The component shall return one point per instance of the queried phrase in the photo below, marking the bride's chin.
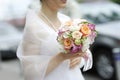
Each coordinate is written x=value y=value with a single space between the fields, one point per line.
x=62 y=5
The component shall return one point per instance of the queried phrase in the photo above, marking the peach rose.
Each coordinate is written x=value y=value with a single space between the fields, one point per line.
x=85 y=29
x=67 y=43
x=68 y=23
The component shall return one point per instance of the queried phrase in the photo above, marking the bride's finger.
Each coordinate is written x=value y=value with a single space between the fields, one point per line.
x=71 y=56
x=74 y=62
x=82 y=54
x=72 y=65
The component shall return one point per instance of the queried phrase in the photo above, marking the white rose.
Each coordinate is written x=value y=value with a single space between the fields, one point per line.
x=86 y=45
x=77 y=34
x=65 y=35
x=75 y=28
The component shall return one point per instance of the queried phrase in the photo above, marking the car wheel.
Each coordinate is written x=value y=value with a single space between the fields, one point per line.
x=104 y=64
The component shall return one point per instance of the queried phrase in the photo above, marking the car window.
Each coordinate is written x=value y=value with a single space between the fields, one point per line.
x=102 y=17
x=102 y=13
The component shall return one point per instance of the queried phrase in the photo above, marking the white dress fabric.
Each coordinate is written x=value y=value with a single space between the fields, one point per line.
x=39 y=45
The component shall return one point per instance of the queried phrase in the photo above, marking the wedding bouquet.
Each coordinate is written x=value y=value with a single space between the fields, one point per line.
x=76 y=35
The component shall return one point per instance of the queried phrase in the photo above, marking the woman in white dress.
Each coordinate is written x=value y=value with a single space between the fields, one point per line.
x=39 y=51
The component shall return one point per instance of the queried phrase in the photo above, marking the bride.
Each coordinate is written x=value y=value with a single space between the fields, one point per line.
x=39 y=52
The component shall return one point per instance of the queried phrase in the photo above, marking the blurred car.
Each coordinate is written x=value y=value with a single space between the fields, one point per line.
x=103 y=12
x=106 y=49
x=104 y=53
x=9 y=39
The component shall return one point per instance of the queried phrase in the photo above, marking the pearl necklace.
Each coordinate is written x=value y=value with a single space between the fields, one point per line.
x=48 y=20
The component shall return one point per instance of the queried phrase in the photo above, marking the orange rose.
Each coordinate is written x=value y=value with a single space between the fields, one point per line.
x=68 y=23
x=67 y=43
x=85 y=29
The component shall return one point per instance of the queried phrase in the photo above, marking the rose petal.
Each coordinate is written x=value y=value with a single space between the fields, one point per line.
x=91 y=26
x=75 y=49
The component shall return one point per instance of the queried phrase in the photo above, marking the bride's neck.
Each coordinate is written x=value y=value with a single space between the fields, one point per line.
x=49 y=12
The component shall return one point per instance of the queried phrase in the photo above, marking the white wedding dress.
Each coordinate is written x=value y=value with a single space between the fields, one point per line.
x=39 y=45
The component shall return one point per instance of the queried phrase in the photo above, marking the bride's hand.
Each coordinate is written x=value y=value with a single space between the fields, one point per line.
x=74 y=62
x=72 y=56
